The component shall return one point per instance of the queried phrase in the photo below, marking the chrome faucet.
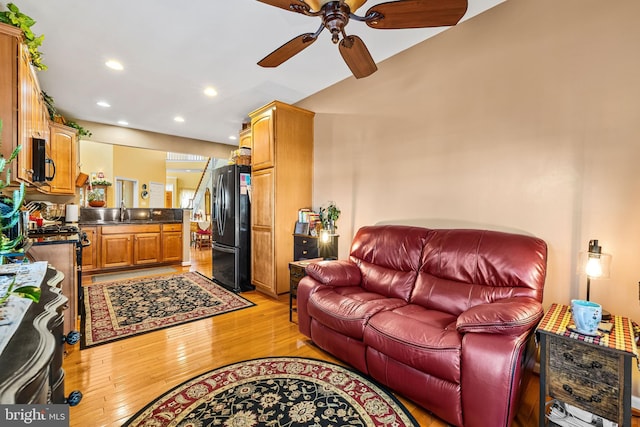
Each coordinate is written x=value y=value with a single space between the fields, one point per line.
x=123 y=210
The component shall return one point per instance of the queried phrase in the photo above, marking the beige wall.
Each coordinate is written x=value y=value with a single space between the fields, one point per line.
x=155 y=141
x=140 y=165
x=526 y=117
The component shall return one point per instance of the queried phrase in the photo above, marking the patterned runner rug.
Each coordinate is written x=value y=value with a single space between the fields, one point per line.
x=278 y=391
x=122 y=309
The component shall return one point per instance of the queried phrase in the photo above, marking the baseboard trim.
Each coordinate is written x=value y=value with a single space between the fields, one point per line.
x=635 y=406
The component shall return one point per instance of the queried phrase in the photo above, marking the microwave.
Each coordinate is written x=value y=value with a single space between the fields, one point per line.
x=40 y=163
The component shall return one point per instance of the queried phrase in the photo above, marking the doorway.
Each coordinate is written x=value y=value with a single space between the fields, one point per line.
x=126 y=191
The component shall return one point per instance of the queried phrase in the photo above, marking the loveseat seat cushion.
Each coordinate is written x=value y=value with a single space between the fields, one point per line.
x=424 y=339
x=348 y=309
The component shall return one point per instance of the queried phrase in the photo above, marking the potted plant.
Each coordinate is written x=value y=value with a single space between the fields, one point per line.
x=329 y=216
x=96 y=198
x=10 y=213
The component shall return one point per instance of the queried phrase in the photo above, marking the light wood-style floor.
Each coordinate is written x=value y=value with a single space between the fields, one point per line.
x=119 y=378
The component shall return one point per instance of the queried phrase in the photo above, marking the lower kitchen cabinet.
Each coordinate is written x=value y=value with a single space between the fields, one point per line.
x=171 y=242
x=146 y=248
x=125 y=246
x=90 y=252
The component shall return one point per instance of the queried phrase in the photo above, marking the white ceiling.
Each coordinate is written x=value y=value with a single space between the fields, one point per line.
x=171 y=50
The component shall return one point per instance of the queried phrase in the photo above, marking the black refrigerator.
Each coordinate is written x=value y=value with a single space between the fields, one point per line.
x=231 y=212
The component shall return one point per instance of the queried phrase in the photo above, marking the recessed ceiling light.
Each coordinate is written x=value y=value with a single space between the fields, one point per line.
x=179 y=119
x=233 y=137
x=123 y=123
x=103 y=104
x=114 y=65
x=209 y=91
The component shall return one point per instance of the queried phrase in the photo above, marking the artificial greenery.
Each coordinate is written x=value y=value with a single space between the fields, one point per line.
x=100 y=182
x=13 y=16
x=57 y=117
x=329 y=215
x=81 y=131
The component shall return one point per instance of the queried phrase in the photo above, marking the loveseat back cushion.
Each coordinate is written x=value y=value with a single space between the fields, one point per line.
x=389 y=258
x=464 y=268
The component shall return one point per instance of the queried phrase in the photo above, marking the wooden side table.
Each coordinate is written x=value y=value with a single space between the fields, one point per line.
x=297 y=272
x=307 y=247
x=592 y=373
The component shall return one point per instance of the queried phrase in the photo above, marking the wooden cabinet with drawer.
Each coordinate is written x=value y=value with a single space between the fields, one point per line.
x=590 y=373
x=308 y=247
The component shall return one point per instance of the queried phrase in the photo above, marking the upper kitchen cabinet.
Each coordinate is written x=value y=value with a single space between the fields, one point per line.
x=22 y=110
x=25 y=117
x=64 y=153
x=245 y=138
x=282 y=171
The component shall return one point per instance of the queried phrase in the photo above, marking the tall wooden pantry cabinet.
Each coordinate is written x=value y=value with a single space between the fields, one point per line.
x=281 y=183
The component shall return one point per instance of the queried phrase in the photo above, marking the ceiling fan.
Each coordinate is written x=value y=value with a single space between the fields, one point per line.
x=335 y=15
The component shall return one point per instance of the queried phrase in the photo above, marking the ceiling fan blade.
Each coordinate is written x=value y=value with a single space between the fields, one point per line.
x=288 y=50
x=284 y=4
x=417 y=13
x=357 y=56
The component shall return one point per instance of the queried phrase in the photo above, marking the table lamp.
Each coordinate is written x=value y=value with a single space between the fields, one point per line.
x=596 y=265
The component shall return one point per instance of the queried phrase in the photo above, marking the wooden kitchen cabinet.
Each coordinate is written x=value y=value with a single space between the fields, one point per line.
x=128 y=245
x=171 y=242
x=116 y=250
x=64 y=152
x=282 y=171
x=90 y=252
x=262 y=226
x=245 y=138
x=22 y=109
x=32 y=114
x=146 y=248
x=131 y=245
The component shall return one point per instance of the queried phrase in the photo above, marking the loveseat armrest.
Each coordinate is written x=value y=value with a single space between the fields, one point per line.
x=511 y=316
x=335 y=273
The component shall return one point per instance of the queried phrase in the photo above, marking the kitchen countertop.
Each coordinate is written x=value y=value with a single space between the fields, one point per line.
x=143 y=216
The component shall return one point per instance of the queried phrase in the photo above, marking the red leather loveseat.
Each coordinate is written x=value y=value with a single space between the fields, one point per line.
x=441 y=316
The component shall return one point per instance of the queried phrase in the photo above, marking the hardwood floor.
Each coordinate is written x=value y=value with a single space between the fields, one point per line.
x=119 y=378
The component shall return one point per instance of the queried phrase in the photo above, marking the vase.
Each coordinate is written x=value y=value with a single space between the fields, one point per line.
x=97 y=203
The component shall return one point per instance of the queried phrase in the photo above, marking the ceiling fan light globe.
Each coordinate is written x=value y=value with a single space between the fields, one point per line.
x=316 y=5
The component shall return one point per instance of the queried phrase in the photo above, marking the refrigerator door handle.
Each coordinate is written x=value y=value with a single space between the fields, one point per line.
x=223 y=206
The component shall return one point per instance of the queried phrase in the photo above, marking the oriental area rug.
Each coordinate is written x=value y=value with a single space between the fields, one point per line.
x=122 y=309
x=277 y=392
